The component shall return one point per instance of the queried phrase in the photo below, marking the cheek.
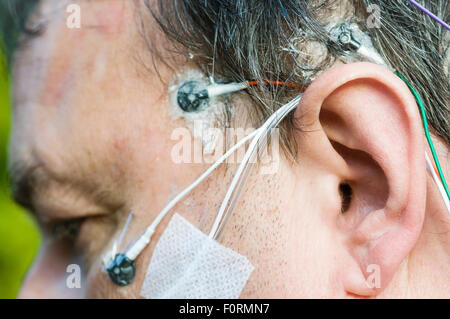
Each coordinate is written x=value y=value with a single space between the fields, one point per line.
x=52 y=274
x=277 y=225
x=258 y=229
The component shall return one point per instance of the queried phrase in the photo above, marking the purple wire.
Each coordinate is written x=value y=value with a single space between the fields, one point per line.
x=430 y=14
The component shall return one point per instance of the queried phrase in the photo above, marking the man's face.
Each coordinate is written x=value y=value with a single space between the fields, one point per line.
x=92 y=130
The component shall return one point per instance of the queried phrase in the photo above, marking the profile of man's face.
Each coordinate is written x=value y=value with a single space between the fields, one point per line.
x=92 y=131
x=93 y=140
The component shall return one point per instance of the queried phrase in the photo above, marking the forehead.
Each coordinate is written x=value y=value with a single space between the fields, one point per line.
x=75 y=37
x=98 y=12
x=75 y=20
x=73 y=84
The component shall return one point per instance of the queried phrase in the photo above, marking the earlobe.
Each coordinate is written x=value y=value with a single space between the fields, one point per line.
x=372 y=123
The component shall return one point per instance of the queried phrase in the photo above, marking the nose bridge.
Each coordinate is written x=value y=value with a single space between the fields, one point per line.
x=54 y=275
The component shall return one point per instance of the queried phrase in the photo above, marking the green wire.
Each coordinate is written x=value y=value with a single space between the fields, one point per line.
x=427 y=133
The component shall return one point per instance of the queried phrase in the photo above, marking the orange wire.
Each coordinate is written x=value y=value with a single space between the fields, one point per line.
x=436 y=171
x=280 y=83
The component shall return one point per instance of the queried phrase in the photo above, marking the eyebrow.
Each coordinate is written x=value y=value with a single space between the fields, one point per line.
x=26 y=180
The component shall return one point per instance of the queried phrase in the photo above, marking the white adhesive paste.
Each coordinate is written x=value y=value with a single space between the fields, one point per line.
x=199 y=123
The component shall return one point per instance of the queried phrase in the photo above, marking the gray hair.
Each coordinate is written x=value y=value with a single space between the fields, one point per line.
x=289 y=41
x=240 y=40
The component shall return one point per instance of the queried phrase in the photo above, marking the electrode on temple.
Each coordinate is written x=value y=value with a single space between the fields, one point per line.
x=189 y=98
x=192 y=99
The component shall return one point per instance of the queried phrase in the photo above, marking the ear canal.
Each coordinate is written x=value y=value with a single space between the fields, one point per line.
x=367 y=189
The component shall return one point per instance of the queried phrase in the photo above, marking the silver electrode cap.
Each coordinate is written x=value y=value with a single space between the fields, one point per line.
x=121 y=270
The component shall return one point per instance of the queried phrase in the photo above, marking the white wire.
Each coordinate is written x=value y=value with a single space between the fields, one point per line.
x=222 y=89
x=274 y=118
x=144 y=239
x=234 y=182
x=244 y=174
x=124 y=230
x=438 y=182
x=177 y=198
x=117 y=243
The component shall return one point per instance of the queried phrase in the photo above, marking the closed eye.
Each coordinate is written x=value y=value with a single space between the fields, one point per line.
x=66 y=229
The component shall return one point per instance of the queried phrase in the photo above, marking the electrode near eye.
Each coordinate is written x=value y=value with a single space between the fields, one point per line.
x=121 y=270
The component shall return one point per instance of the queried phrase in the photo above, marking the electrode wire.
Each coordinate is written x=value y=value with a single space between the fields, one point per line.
x=436 y=180
x=237 y=191
x=263 y=142
x=273 y=120
x=277 y=83
x=430 y=14
x=427 y=132
x=143 y=240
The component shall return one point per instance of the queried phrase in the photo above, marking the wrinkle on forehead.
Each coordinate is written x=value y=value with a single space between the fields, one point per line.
x=101 y=21
x=106 y=16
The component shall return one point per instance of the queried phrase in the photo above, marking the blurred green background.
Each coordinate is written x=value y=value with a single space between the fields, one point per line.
x=19 y=237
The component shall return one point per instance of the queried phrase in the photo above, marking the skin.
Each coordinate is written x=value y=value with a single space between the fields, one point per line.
x=94 y=124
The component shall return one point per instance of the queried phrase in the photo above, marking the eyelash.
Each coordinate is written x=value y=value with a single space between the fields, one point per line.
x=67 y=229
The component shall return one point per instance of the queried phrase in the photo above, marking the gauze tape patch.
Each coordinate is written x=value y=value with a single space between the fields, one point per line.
x=188 y=264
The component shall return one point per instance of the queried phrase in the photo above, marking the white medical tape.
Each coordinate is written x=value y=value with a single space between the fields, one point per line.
x=186 y=263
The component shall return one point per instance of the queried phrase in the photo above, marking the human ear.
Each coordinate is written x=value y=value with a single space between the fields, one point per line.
x=367 y=132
